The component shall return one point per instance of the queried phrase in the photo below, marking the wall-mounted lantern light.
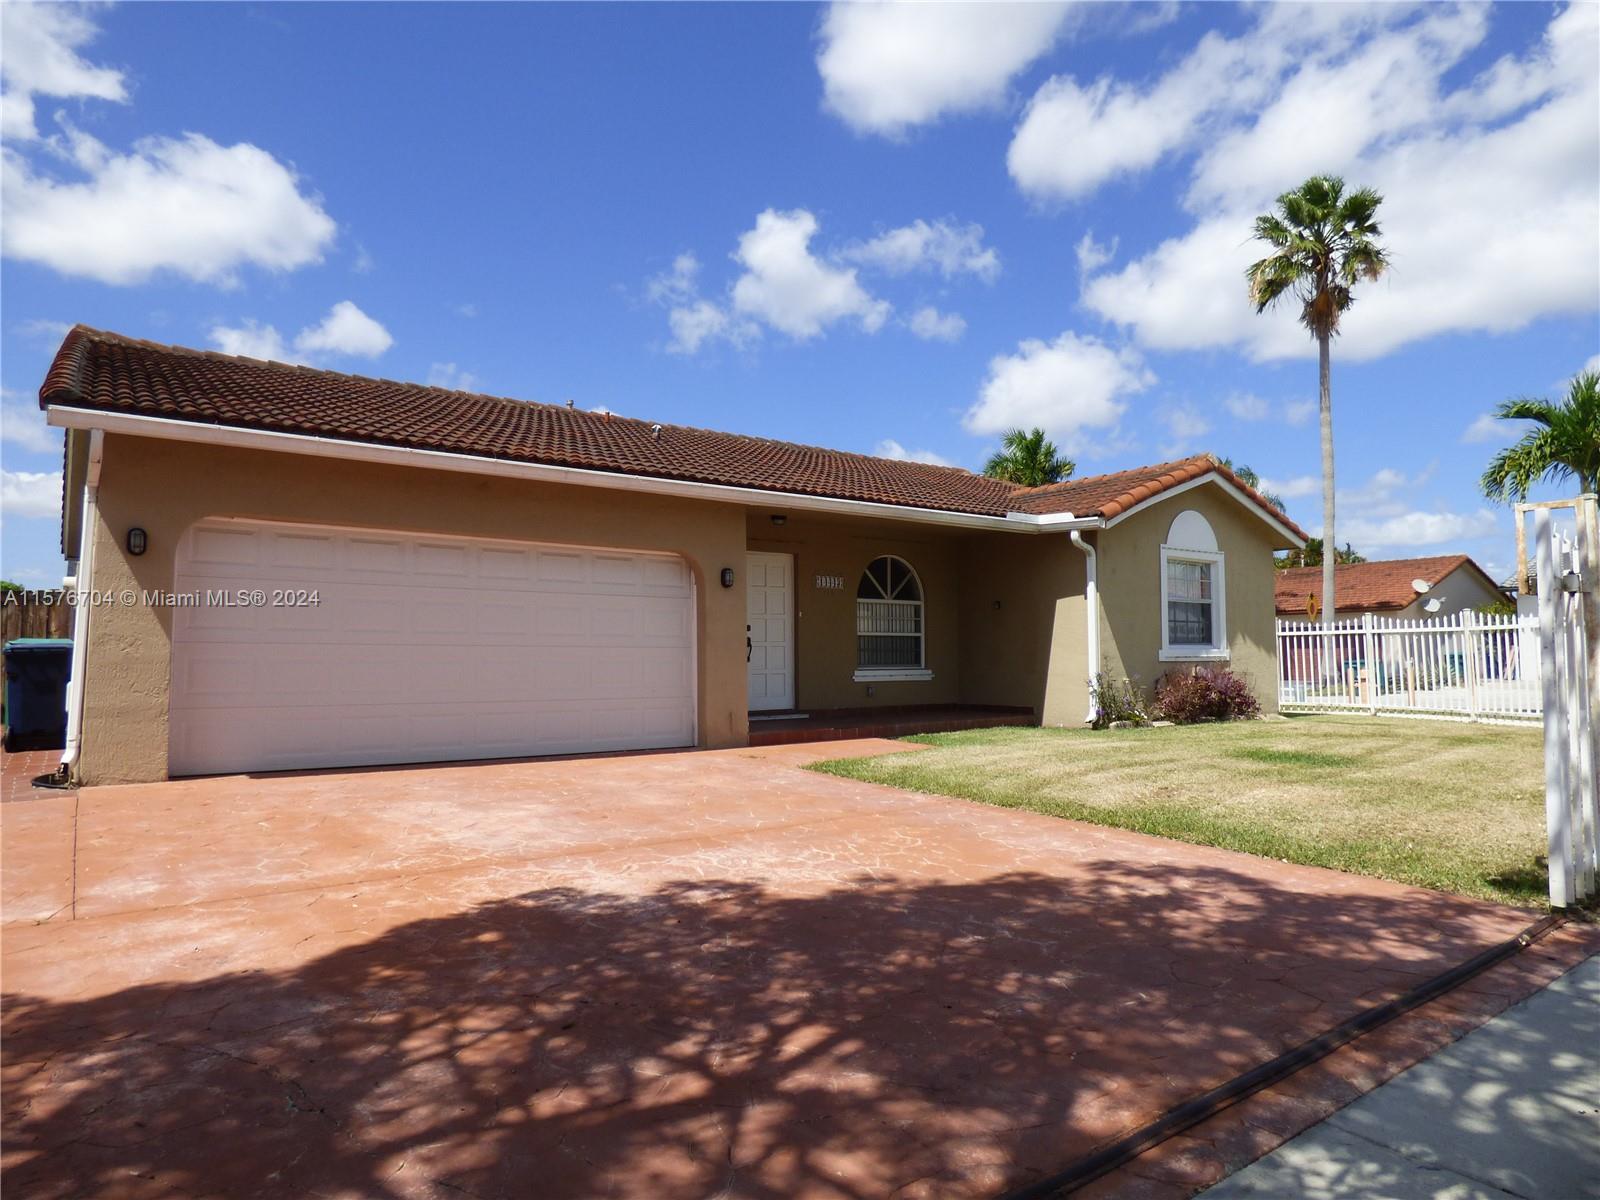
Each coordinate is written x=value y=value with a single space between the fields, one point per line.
x=727 y=576
x=138 y=541
x=779 y=519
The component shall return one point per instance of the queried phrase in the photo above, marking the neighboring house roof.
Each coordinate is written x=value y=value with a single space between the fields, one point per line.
x=1377 y=586
x=107 y=372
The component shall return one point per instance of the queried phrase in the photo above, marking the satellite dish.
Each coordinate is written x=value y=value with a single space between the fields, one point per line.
x=1421 y=585
x=1432 y=605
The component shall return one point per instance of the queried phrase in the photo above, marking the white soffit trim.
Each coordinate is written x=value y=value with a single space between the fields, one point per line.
x=68 y=417
x=1210 y=477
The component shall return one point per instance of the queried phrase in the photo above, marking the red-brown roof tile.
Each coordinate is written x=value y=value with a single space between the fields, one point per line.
x=111 y=373
x=1376 y=586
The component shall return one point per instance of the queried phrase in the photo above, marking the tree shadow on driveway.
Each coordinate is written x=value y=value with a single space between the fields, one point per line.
x=886 y=1037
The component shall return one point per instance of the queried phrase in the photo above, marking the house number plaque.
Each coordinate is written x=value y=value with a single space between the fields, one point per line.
x=830 y=583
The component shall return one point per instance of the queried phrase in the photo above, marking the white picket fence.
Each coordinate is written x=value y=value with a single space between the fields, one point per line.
x=1467 y=667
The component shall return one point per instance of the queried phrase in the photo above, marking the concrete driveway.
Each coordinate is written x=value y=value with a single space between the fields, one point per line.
x=667 y=975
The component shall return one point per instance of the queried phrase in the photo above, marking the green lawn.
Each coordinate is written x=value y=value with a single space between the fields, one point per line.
x=1455 y=807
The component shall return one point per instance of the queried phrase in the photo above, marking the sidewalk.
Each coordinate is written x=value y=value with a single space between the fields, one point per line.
x=1510 y=1112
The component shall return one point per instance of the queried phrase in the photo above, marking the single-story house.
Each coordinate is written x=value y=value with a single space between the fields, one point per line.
x=292 y=568
x=1451 y=583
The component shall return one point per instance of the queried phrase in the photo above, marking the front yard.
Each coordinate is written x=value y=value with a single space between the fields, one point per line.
x=1459 y=808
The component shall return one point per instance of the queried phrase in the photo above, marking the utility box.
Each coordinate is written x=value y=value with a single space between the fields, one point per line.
x=37 y=670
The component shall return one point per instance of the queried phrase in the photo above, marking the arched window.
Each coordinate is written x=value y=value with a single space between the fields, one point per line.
x=1193 y=592
x=888 y=618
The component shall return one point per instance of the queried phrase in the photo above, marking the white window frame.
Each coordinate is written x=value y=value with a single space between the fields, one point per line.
x=1217 y=649
x=888 y=674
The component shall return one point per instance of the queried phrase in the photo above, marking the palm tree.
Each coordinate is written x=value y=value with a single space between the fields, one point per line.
x=1323 y=243
x=1310 y=555
x=1251 y=479
x=1030 y=459
x=1566 y=445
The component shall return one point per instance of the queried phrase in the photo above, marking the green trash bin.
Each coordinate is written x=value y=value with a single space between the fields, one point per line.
x=37 y=670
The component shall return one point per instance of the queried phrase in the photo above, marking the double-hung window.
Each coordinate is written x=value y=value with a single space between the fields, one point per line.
x=1193 y=596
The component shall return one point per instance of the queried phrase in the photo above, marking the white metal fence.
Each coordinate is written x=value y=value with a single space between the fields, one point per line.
x=1468 y=667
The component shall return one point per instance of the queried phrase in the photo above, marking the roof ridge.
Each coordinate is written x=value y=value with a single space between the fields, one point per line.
x=1077 y=480
x=113 y=338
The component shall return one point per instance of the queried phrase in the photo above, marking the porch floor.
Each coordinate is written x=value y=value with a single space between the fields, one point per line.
x=821 y=725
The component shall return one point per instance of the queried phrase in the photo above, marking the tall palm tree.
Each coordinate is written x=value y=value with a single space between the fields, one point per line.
x=1566 y=445
x=1030 y=459
x=1323 y=243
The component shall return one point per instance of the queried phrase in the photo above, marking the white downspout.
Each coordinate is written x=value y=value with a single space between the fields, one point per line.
x=1091 y=605
x=83 y=583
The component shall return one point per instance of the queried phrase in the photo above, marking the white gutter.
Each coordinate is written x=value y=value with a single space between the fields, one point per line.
x=1091 y=605
x=322 y=447
x=83 y=582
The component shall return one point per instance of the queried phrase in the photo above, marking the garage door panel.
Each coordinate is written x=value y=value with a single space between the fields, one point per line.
x=222 y=547
x=370 y=556
x=424 y=648
x=317 y=551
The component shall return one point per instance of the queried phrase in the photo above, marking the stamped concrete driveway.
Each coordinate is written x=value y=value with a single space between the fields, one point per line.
x=669 y=975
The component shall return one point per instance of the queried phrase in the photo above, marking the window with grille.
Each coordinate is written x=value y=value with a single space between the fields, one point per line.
x=889 y=617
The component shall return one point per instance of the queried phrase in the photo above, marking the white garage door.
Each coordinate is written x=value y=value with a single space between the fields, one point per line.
x=421 y=649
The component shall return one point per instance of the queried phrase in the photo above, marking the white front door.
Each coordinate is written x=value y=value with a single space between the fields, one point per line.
x=769 y=630
x=402 y=647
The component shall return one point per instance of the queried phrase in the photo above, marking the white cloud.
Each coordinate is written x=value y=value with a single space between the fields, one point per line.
x=184 y=205
x=30 y=493
x=1486 y=427
x=942 y=245
x=41 y=59
x=889 y=448
x=695 y=324
x=251 y=340
x=466 y=310
x=888 y=67
x=930 y=324
x=1245 y=406
x=448 y=375
x=1093 y=255
x=1067 y=387
x=1592 y=365
x=1293 y=488
x=1186 y=425
x=694 y=321
x=345 y=331
x=1417 y=529
x=22 y=424
x=1381 y=495
x=1504 y=163
x=43 y=330
x=1298 y=412
x=787 y=287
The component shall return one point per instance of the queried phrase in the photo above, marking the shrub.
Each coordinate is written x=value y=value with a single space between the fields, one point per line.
x=1116 y=700
x=1204 y=694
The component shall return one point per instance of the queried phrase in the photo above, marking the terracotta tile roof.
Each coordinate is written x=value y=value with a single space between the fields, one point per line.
x=1378 y=586
x=111 y=373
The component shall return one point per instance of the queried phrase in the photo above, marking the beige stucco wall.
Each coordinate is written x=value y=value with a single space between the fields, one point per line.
x=1023 y=632
x=1004 y=614
x=825 y=620
x=165 y=487
x=1130 y=587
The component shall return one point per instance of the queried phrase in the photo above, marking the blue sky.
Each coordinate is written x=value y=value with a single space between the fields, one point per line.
x=894 y=230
